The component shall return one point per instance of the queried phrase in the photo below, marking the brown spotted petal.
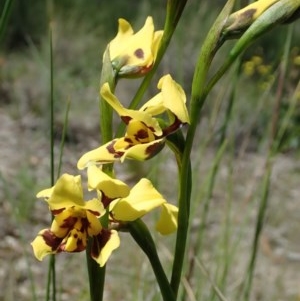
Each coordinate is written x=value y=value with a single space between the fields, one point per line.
x=103 y=245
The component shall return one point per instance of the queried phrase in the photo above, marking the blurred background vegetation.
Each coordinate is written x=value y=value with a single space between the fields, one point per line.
x=81 y=30
x=259 y=90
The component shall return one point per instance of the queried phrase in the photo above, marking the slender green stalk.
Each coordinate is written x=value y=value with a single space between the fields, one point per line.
x=7 y=8
x=259 y=226
x=63 y=138
x=206 y=55
x=143 y=238
x=51 y=269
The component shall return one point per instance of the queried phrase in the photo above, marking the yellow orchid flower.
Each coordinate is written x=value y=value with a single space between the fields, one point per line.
x=144 y=136
x=74 y=221
x=134 y=53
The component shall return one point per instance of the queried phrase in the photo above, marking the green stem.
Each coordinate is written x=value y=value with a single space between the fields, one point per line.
x=51 y=267
x=96 y=275
x=208 y=50
x=143 y=238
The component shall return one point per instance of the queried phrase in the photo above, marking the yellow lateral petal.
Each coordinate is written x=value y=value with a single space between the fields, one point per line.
x=112 y=244
x=101 y=155
x=143 y=198
x=144 y=151
x=112 y=188
x=174 y=98
x=167 y=222
x=40 y=248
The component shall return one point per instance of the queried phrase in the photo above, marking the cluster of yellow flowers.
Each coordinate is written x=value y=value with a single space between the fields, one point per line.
x=115 y=204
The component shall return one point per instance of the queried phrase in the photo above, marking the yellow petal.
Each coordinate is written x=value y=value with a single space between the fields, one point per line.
x=174 y=98
x=144 y=151
x=143 y=198
x=127 y=114
x=156 y=42
x=46 y=193
x=112 y=188
x=136 y=48
x=67 y=192
x=40 y=248
x=167 y=222
x=154 y=106
x=94 y=227
x=104 y=251
x=75 y=241
x=117 y=45
x=101 y=155
x=95 y=207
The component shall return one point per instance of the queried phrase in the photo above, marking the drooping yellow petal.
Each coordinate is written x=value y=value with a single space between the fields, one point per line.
x=103 y=247
x=143 y=198
x=174 y=98
x=67 y=192
x=144 y=151
x=112 y=188
x=40 y=248
x=167 y=222
x=101 y=155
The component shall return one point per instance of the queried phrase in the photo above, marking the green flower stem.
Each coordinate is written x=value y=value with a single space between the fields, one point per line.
x=174 y=11
x=208 y=50
x=143 y=238
x=97 y=273
x=106 y=112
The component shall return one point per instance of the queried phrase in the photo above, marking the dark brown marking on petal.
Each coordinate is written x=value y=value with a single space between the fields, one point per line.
x=139 y=53
x=105 y=200
x=126 y=119
x=110 y=147
x=80 y=246
x=51 y=240
x=84 y=225
x=96 y=213
x=128 y=140
x=69 y=222
x=154 y=149
x=141 y=134
x=172 y=128
x=99 y=241
x=57 y=211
